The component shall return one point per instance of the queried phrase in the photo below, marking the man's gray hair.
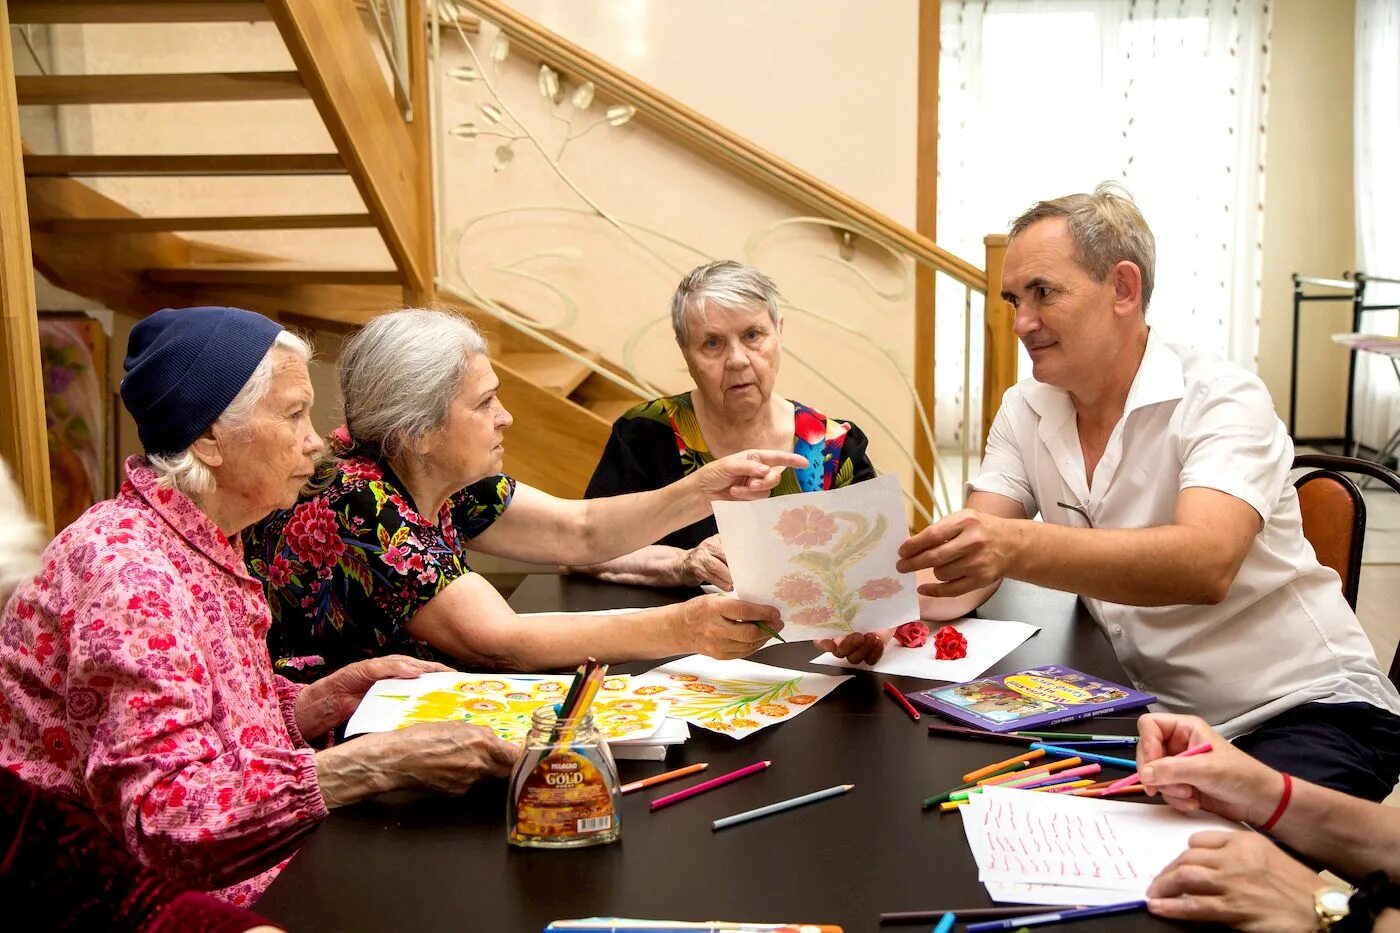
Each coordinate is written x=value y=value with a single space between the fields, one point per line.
x=400 y=374
x=186 y=473
x=724 y=284
x=1106 y=227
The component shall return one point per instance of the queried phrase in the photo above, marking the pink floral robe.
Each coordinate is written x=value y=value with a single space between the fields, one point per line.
x=134 y=678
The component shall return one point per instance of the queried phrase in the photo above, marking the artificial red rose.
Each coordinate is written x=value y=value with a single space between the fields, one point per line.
x=949 y=644
x=912 y=634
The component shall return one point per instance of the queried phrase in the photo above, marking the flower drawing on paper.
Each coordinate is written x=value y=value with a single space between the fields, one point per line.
x=878 y=588
x=798 y=589
x=772 y=710
x=802 y=699
x=807 y=526
x=726 y=705
x=833 y=544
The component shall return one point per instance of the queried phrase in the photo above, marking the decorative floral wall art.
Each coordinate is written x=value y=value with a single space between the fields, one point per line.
x=504 y=703
x=734 y=697
x=826 y=559
x=73 y=351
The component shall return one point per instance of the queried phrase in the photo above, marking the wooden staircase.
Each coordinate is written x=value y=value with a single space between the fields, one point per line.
x=90 y=244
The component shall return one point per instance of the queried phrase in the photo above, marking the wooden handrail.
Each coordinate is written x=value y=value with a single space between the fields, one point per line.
x=724 y=146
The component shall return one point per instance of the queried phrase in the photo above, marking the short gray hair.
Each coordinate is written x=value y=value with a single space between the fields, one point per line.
x=724 y=284
x=1106 y=227
x=400 y=373
x=186 y=473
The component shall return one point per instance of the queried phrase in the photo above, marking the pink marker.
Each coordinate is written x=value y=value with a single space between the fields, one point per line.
x=703 y=786
x=1135 y=778
x=1067 y=775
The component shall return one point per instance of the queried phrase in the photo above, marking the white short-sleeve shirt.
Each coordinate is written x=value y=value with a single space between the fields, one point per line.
x=1284 y=634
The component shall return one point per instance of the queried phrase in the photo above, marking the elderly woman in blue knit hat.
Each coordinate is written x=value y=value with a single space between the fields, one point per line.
x=134 y=674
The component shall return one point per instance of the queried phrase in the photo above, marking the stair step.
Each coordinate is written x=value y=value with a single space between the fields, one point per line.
x=107 y=225
x=553 y=372
x=270 y=163
x=43 y=12
x=57 y=90
x=269 y=273
x=611 y=408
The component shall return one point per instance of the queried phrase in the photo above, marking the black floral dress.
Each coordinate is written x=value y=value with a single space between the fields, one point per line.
x=346 y=568
x=659 y=442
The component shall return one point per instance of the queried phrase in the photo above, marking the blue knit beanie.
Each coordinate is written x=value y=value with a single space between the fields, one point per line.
x=185 y=365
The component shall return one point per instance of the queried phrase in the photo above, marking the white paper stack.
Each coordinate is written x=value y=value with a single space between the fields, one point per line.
x=1056 y=849
x=653 y=747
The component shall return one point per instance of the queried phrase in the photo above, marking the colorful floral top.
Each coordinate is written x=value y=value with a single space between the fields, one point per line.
x=347 y=567
x=659 y=442
x=134 y=679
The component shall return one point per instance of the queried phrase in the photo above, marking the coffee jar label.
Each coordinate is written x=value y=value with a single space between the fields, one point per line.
x=565 y=795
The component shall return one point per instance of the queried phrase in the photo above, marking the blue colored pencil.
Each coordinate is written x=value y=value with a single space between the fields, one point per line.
x=1087 y=756
x=945 y=925
x=1062 y=916
x=780 y=806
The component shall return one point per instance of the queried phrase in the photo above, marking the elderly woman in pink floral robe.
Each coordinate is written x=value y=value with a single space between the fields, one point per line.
x=134 y=676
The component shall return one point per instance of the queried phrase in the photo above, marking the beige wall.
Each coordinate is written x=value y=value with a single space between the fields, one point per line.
x=1309 y=218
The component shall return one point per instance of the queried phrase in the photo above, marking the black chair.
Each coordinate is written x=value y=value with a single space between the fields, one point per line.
x=1334 y=517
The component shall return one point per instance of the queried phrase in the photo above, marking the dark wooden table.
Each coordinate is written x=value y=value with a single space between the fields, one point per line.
x=411 y=863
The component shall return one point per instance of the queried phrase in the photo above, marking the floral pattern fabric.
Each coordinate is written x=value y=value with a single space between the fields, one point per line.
x=135 y=680
x=659 y=442
x=347 y=567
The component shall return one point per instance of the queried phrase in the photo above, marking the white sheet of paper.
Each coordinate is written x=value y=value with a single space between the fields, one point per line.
x=988 y=641
x=825 y=559
x=1076 y=842
x=734 y=697
x=1007 y=892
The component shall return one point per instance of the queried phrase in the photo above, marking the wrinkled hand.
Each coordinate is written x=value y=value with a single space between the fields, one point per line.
x=448 y=757
x=967 y=550
x=749 y=474
x=718 y=626
x=704 y=563
x=1238 y=878
x=857 y=647
x=1224 y=780
x=329 y=701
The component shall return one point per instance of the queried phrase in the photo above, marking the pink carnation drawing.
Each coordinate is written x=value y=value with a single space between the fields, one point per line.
x=797 y=589
x=806 y=526
x=878 y=588
x=815 y=615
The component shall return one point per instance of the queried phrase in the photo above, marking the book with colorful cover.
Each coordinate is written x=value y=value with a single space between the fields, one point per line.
x=1040 y=696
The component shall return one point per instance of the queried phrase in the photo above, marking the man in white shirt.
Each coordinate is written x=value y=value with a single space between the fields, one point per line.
x=1161 y=476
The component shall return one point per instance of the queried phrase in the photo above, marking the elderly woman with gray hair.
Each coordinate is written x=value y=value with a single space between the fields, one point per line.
x=729 y=325
x=373 y=559
x=134 y=674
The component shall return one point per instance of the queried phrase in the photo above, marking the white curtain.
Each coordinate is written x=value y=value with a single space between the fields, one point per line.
x=1040 y=98
x=1377 y=400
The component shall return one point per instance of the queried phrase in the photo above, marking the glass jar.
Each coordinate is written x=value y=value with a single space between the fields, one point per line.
x=564 y=790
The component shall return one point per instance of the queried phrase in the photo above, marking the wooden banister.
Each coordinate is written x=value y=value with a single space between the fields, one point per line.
x=999 y=350
x=725 y=147
x=327 y=40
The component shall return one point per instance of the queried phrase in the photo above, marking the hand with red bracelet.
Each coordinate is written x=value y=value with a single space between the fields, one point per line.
x=1225 y=780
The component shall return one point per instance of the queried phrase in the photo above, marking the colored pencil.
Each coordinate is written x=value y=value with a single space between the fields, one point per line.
x=1088 y=756
x=1034 y=753
x=984 y=913
x=711 y=784
x=1061 y=788
x=1069 y=775
x=663 y=778
x=1046 y=768
x=945 y=925
x=769 y=631
x=1090 y=736
x=959 y=732
x=1059 y=916
x=780 y=806
x=1130 y=789
x=948 y=806
x=1092 y=742
x=899 y=698
x=1135 y=778
x=943 y=795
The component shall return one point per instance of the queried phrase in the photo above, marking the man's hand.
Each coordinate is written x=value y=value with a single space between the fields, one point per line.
x=1237 y=878
x=721 y=627
x=857 y=647
x=1224 y=780
x=704 y=563
x=329 y=701
x=967 y=551
x=749 y=474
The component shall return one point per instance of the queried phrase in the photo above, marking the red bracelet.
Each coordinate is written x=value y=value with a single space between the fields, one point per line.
x=1282 y=804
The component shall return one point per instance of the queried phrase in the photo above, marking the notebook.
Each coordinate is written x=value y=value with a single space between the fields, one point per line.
x=1027 y=699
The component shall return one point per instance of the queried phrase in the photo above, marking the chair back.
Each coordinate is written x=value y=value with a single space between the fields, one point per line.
x=1334 y=517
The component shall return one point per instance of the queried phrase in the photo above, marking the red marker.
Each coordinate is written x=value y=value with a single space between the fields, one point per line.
x=893 y=691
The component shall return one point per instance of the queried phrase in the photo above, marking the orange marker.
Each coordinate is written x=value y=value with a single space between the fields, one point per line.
x=663 y=778
x=1039 y=769
x=990 y=769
